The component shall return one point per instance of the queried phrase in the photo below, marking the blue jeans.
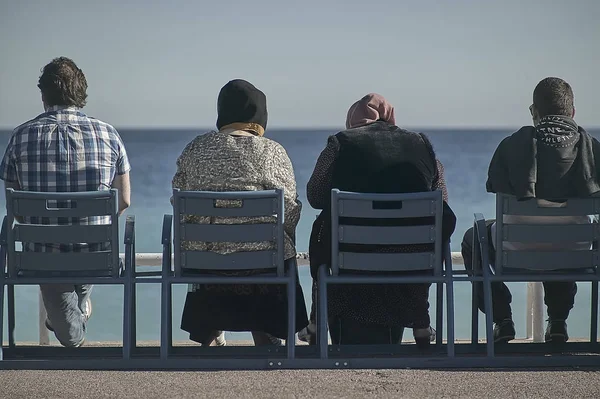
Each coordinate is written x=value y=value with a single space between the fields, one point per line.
x=63 y=305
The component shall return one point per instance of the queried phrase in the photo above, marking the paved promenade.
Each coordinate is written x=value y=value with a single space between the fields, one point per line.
x=405 y=383
x=301 y=384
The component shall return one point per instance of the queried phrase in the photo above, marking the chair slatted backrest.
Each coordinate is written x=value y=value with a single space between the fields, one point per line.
x=62 y=208
x=265 y=213
x=540 y=235
x=389 y=220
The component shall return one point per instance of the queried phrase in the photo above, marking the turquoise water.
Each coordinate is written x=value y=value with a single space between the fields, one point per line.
x=464 y=153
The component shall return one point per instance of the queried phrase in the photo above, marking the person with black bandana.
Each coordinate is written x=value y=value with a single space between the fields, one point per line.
x=553 y=159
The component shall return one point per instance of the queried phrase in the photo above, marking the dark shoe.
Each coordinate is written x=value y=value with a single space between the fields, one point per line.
x=423 y=336
x=504 y=331
x=275 y=341
x=556 y=332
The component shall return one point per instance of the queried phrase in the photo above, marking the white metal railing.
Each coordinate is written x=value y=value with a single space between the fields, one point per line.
x=534 y=310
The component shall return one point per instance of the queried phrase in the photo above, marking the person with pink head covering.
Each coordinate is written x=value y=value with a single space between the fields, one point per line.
x=371 y=108
x=373 y=155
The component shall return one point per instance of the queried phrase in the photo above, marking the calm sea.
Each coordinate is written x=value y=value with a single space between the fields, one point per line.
x=153 y=153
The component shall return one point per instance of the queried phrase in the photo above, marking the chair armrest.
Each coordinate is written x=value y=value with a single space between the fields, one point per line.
x=128 y=267
x=166 y=229
x=130 y=230
x=3 y=247
x=480 y=239
x=166 y=243
x=4 y=233
x=448 y=258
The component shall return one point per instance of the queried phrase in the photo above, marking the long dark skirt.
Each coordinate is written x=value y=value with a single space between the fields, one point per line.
x=240 y=307
x=389 y=305
x=347 y=331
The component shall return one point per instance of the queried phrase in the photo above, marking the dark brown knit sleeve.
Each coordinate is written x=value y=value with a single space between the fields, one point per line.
x=319 y=187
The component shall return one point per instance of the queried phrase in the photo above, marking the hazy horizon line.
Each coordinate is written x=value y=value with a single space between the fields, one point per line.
x=336 y=128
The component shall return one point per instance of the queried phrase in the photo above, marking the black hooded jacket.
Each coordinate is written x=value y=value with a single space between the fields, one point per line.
x=554 y=160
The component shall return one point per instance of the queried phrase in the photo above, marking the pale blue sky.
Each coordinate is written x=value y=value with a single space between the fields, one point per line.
x=441 y=63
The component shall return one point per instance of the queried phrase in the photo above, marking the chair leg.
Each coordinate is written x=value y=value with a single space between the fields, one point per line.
x=474 y=317
x=132 y=311
x=127 y=319
x=481 y=248
x=489 y=323
x=476 y=259
x=322 y=313
x=439 y=312
x=1 y=317
x=11 y=315
x=132 y=299
x=291 y=289
x=594 y=318
x=450 y=316
x=166 y=319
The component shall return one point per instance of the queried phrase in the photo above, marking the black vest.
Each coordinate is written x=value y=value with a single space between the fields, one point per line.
x=378 y=158
x=383 y=158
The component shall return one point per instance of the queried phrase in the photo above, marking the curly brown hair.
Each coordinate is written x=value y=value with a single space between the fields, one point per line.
x=63 y=83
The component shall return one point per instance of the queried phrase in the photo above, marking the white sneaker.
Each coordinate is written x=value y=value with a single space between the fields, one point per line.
x=86 y=308
x=220 y=340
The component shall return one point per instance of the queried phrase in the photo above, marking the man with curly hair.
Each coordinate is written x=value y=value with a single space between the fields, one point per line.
x=64 y=150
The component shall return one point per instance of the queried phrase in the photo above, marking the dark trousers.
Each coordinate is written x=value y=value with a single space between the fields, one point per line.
x=347 y=331
x=559 y=296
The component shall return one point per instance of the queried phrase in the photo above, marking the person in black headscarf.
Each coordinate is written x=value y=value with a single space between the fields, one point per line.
x=239 y=158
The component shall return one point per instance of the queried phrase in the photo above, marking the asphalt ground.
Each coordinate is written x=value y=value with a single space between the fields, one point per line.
x=302 y=384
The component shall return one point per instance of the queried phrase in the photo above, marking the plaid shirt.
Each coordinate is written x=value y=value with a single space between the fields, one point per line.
x=63 y=150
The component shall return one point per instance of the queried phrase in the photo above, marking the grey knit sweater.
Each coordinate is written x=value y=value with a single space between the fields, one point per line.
x=237 y=161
